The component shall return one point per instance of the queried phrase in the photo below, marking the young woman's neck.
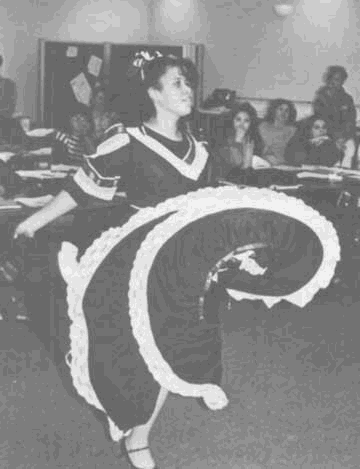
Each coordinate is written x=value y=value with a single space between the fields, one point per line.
x=165 y=125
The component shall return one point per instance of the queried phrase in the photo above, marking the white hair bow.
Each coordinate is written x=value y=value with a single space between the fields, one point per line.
x=143 y=57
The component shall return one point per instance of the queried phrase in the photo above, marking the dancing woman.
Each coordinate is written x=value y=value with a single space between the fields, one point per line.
x=151 y=162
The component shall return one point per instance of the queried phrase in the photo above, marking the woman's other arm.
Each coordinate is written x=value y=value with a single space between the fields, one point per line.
x=61 y=204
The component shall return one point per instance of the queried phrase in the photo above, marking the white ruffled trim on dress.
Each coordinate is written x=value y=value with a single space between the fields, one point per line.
x=189 y=208
x=212 y=201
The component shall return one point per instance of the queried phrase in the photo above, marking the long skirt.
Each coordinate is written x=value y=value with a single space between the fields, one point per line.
x=149 y=312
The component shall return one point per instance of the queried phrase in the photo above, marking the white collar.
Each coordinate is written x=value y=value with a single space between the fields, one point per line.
x=191 y=171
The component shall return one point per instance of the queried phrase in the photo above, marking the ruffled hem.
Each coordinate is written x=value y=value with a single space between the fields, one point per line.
x=186 y=208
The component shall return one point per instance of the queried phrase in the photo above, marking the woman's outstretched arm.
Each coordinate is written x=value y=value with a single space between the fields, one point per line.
x=58 y=206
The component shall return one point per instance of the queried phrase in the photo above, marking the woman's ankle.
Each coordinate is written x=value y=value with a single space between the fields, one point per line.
x=138 y=438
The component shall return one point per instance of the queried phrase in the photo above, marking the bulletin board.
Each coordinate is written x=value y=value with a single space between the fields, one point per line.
x=71 y=71
x=69 y=74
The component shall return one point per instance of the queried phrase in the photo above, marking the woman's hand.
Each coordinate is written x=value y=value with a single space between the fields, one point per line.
x=59 y=205
x=25 y=228
x=341 y=144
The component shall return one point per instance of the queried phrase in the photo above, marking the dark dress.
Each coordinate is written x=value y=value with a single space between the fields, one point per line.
x=148 y=313
x=140 y=164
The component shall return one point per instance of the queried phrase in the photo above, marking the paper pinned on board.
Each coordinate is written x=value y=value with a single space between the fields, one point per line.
x=6 y=155
x=72 y=51
x=94 y=65
x=81 y=89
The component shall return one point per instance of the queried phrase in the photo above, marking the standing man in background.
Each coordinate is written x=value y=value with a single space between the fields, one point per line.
x=8 y=95
x=334 y=105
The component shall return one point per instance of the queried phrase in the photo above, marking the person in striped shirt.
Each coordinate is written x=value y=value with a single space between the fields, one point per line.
x=79 y=141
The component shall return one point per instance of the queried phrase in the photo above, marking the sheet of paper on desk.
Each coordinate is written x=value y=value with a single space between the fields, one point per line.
x=8 y=204
x=41 y=174
x=347 y=172
x=321 y=169
x=315 y=175
x=34 y=201
x=278 y=187
x=64 y=167
x=283 y=167
x=40 y=151
x=39 y=132
x=6 y=155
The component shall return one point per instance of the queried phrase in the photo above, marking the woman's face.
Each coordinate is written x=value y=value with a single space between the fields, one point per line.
x=336 y=81
x=101 y=124
x=319 y=128
x=282 y=113
x=241 y=122
x=80 y=124
x=175 y=96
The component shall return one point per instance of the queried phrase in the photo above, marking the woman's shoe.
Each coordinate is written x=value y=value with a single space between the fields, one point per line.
x=126 y=453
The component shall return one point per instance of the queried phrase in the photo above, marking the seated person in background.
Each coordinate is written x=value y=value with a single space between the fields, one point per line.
x=337 y=107
x=242 y=143
x=80 y=140
x=277 y=129
x=313 y=145
x=82 y=132
x=12 y=135
x=102 y=116
x=10 y=129
x=8 y=95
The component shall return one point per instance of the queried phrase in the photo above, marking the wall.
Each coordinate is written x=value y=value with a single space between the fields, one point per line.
x=71 y=20
x=251 y=50
x=248 y=48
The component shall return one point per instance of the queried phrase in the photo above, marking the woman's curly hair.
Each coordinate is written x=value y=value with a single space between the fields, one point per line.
x=274 y=104
x=332 y=70
x=304 y=131
x=150 y=75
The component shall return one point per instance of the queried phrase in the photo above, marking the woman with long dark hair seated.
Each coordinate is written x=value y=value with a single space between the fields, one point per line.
x=313 y=145
x=242 y=143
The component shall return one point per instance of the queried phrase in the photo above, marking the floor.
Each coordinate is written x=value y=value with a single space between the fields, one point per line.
x=292 y=377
